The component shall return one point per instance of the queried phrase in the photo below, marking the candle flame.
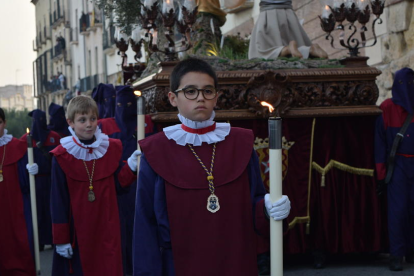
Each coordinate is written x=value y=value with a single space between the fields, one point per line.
x=138 y=93
x=271 y=108
x=27 y=130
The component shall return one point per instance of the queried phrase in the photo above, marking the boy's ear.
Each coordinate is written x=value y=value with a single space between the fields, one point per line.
x=173 y=98
x=69 y=122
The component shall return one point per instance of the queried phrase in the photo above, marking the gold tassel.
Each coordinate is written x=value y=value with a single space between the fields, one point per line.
x=341 y=166
x=308 y=228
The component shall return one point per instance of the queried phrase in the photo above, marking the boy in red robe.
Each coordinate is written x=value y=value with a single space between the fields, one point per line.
x=200 y=198
x=85 y=171
x=16 y=231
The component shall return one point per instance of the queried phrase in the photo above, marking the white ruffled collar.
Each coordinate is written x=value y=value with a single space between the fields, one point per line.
x=6 y=138
x=79 y=150
x=182 y=137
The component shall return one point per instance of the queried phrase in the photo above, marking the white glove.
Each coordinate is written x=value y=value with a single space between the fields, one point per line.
x=32 y=169
x=278 y=210
x=64 y=250
x=133 y=160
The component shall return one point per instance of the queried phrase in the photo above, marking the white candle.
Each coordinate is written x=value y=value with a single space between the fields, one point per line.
x=116 y=35
x=180 y=16
x=148 y=3
x=136 y=33
x=362 y=4
x=167 y=6
x=326 y=12
x=140 y=121
x=190 y=5
x=275 y=189
x=154 y=36
x=33 y=202
x=337 y=4
x=348 y=3
x=122 y=35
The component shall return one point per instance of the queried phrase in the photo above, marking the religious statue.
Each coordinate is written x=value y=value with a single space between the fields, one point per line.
x=278 y=32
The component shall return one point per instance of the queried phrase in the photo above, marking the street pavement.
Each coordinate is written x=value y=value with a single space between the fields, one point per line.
x=298 y=265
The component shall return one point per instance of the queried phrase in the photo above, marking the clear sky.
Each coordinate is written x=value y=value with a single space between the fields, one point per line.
x=17 y=32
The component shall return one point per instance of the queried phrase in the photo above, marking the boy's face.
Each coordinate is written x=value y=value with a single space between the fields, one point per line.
x=2 y=126
x=198 y=109
x=84 y=125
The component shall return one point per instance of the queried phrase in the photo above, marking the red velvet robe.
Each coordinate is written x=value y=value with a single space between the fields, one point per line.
x=97 y=226
x=203 y=243
x=15 y=256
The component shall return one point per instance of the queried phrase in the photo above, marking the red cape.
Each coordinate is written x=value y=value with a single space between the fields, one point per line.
x=96 y=223
x=223 y=243
x=15 y=255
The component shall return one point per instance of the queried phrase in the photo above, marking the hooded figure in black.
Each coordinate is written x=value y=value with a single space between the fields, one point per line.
x=123 y=127
x=57 y=120
x=104 y=95
x=44 y=140
x=400 y=188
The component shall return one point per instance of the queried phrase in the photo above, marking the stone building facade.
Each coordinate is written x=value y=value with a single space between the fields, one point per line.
x=16 y=97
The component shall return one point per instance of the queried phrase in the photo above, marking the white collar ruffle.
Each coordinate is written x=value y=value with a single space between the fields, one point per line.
x=6 y=138
x=181 y=137
x=86 y=152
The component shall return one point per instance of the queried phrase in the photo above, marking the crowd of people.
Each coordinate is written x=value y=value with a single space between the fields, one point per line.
x=56 y=83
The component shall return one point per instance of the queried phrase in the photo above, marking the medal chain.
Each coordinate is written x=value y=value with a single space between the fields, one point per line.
x=89 y=175
x=210 y=177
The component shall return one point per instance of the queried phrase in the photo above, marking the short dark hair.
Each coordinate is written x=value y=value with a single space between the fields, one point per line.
x=187 y=66
x=2 y=115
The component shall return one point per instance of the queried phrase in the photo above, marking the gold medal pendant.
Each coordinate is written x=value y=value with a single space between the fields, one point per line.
x=213 y=204
x=91 y=196
x=1 y=177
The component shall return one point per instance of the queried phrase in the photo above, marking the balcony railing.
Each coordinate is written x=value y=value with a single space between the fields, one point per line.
x=35 y=45
x=57 y=15
x=46 y=32
x=109 y=38
x=40 y=37
x=57 y=50
x=74 y=35
x=88 y=83
x=84 y=23
x=43 y=84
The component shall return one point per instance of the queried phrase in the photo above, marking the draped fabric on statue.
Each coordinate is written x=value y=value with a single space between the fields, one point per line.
x=345 y=215
x=273 y=31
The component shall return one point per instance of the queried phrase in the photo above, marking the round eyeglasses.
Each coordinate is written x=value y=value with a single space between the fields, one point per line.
x=191 y=93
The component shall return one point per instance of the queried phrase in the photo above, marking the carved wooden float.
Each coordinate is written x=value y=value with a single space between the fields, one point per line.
x=295 y=93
